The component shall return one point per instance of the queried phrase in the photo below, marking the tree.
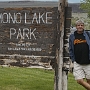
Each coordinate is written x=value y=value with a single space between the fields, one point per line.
x=85 y=5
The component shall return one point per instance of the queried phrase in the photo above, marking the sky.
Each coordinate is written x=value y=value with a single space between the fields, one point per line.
x=70 y=1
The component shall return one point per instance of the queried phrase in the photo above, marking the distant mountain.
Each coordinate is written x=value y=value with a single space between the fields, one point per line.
x=75 y=6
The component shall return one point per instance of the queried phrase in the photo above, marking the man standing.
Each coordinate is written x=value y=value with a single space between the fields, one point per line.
x=79 y=49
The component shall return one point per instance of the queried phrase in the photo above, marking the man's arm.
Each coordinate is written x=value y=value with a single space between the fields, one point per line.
x=71 y=49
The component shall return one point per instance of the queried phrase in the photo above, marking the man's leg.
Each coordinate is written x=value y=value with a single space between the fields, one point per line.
x=80 y=73
x=84 y=83
x=87 y=73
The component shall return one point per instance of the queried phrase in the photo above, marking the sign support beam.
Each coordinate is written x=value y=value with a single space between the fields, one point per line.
x=61 y=77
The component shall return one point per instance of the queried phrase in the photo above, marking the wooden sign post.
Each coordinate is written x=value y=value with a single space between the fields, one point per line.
x=62 y=67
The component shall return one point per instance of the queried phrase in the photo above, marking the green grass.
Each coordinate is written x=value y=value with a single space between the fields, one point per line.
x=72 y=84
x=15 y=78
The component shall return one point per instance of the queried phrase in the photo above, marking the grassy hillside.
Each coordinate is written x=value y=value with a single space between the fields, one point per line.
x=15 y=78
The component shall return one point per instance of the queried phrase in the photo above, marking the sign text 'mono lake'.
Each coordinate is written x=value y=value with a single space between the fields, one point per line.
x=28 y=31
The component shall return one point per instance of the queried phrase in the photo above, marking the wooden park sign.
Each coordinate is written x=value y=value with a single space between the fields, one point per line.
x=28 y=31
x=36 y=32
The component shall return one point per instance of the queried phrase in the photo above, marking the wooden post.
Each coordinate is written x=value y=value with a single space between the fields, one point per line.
x=66 y=60
x=61 y=74
x=62 y=57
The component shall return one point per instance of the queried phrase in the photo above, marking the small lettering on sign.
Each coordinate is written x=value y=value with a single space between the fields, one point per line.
x=24 y=44
x=24 y=49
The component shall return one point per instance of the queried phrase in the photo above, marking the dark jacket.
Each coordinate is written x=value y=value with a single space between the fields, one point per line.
x=71 y=45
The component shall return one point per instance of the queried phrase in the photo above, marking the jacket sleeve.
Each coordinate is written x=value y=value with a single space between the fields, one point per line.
x=71 y=49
